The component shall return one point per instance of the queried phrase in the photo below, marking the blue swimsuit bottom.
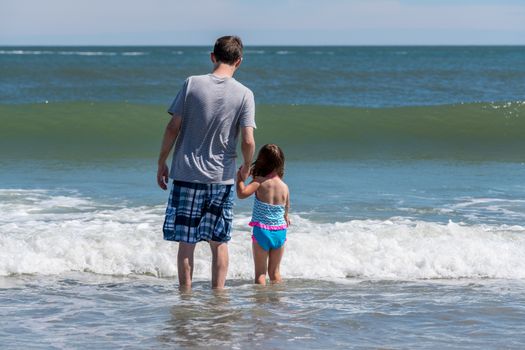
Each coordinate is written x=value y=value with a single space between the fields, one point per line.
x=269 y=239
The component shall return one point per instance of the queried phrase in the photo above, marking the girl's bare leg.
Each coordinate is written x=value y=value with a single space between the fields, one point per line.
x=260 y=259
x=274 y=264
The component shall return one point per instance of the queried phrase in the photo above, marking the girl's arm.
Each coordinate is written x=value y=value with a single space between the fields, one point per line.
x=245 y=191
x=286 y=209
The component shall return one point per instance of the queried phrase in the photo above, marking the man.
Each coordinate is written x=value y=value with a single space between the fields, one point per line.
x=208 y=114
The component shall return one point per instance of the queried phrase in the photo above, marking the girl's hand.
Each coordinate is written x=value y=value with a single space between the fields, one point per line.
x=287 y=219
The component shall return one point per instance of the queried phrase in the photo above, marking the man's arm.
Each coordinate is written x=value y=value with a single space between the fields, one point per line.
x=248 y=149
x=170 y=135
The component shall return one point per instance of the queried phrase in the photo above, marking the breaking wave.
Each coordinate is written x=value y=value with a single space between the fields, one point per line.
x=46 y=233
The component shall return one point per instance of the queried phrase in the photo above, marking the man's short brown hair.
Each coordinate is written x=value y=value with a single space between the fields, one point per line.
x=228 y=49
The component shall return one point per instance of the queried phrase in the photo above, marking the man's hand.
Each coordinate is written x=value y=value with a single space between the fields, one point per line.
x=163 y=176
x=248 y=148
x=170 y=135
x=244 y=172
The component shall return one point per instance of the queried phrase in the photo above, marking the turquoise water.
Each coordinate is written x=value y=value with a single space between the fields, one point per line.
x=96 y=131
x=405 y=166
x=351 y=76
x=327 y=191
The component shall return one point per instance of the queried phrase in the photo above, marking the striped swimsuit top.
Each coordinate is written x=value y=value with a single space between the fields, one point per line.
x=268 y=216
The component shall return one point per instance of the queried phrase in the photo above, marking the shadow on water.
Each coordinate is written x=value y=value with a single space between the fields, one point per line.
x=222 y=318
x=200 y=319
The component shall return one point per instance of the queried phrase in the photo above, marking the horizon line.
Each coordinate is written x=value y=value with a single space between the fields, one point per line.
x=266 y=45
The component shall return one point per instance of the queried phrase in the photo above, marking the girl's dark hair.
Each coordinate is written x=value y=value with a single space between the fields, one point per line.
x=228 y=49
x=269 y=159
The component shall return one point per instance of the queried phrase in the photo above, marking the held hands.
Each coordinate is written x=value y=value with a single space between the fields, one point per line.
x=239 y=176
x=163 y=176
x=243 y=173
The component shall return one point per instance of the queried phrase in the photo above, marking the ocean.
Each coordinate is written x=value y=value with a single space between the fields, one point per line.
x=405 y=166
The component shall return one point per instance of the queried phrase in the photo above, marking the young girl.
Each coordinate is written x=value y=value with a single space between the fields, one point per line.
x=270 y=211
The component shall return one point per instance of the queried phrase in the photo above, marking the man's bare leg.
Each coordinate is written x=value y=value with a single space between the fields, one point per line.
x=219 y=264
x=185 y=265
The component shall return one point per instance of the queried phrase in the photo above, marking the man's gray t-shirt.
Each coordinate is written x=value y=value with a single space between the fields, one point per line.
x=213 y=111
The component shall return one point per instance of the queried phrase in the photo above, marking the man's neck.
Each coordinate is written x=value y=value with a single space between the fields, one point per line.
x=223 y=70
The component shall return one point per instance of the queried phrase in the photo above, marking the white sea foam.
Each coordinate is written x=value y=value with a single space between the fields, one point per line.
x=87 y=53
x=134 y=53
x=25 y=52
x=45 y=233
x=319 y=52
x=69 y=53
x=474 y=208
x=467 y=202
x=255 y=52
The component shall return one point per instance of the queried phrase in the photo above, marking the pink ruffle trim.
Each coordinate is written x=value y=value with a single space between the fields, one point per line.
x=268 y=227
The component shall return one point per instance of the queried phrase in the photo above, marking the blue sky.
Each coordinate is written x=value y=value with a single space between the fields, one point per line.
x=269 y=22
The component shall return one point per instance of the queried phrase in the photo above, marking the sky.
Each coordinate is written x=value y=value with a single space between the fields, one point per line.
x=268 y=22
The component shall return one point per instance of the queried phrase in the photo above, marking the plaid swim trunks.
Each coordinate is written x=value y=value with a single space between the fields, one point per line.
x=199 y=212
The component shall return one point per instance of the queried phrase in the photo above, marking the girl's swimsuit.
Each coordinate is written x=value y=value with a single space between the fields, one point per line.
x=269 y=226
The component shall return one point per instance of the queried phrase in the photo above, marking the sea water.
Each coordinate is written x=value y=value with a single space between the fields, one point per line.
x=405 y=167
